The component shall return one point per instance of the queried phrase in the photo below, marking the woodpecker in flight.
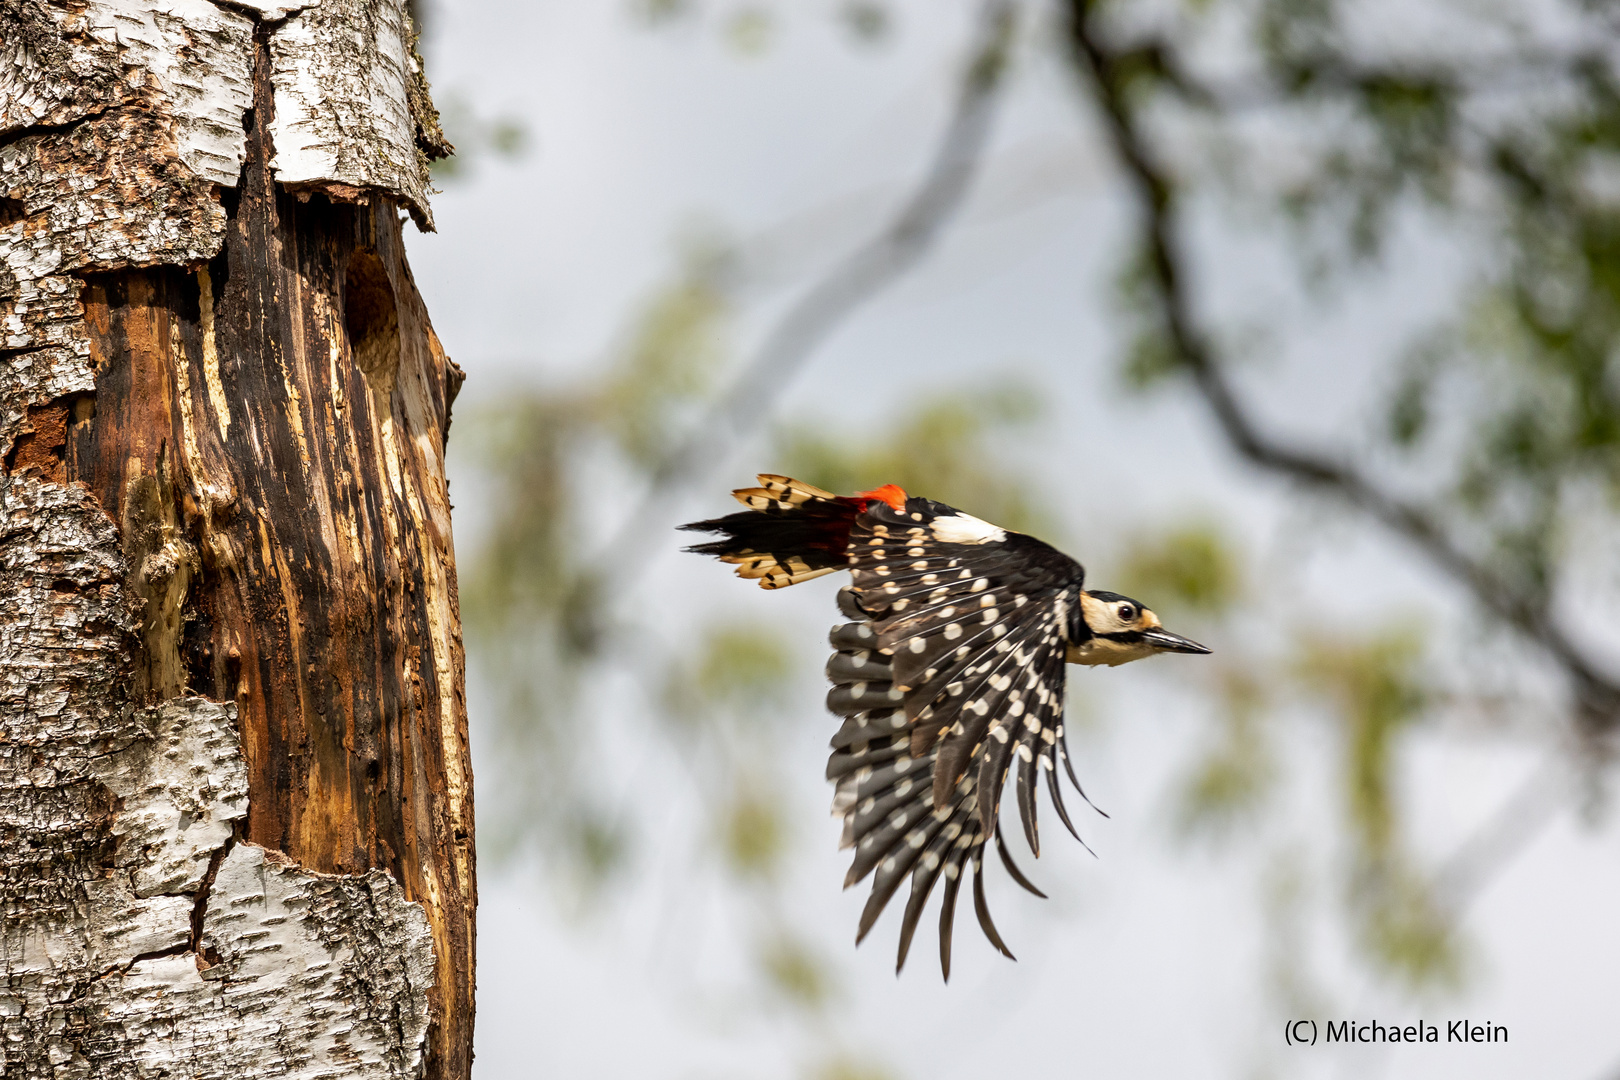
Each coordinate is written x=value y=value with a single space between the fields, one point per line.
x=949 y=676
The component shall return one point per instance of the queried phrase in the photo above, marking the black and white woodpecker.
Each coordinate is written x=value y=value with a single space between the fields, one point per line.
x=949 y=676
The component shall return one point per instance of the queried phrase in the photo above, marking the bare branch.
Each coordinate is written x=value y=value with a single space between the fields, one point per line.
x=1597 y=694
x=856 y=279
x=1504 y=834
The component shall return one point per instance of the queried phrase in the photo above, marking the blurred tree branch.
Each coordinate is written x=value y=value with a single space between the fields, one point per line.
x=1511 y=826
x=856 y=279
x=1112 y=71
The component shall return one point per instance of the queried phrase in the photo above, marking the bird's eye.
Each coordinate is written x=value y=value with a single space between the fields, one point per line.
x=1127 y=612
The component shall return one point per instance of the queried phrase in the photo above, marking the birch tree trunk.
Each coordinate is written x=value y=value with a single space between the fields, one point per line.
x=236 y=832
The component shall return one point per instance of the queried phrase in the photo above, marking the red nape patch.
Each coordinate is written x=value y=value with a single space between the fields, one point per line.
x=887 y=493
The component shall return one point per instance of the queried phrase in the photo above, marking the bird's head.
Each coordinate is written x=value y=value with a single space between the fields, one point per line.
x=1117 y=629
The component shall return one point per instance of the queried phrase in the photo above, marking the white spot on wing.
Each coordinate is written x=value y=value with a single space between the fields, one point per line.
x=966 y=529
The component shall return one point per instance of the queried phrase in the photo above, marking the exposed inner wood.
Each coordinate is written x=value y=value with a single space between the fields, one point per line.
x=268 y=434
x=41 y=447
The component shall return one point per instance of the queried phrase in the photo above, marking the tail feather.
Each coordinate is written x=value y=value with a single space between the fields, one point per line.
x=780 y=493
x=791 y=532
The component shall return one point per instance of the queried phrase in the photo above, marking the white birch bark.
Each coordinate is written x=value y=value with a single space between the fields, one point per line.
x=138 y=939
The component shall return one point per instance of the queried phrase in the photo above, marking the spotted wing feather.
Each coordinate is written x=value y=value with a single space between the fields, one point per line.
x=953 y=643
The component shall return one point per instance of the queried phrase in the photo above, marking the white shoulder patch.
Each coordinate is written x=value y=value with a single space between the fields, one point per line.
x=966 y=529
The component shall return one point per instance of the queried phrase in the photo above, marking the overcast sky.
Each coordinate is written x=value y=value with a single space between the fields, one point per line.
x=1147 y=961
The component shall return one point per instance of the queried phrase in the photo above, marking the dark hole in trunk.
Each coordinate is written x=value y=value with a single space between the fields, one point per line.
x=371 y=320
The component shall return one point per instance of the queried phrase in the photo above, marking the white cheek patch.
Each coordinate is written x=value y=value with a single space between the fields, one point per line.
x=1101 y=617
x=966 y=529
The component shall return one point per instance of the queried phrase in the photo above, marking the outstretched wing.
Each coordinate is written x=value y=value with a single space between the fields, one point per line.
x=953 y=675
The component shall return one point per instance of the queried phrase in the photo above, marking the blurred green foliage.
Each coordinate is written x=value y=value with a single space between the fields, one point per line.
x=1285 y=896
x=1193 y=565
x=1374 y=687
x=868 y=20
x=1229 y=781
x=1193 y=573
x=477 y=138
x=936 y=446
x=752 y=835
x=750 y=29
x=845 y=1069
x=742 y=665
x=654 y=12
x=676 y=348
x=797 y=971
x=1150 y=357
x=1372 y=684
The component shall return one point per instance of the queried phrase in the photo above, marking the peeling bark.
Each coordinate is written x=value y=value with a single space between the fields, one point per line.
x=342 y=70
x=182 y=786
x=235 y=799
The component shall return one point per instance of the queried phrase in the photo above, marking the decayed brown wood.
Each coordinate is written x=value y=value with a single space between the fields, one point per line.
x=267 y=432
x=231 y=728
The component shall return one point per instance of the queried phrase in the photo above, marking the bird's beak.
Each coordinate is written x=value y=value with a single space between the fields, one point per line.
x=1165 y=641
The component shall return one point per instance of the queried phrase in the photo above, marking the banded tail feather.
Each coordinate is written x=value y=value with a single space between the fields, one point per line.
x=948 y=677
x=791 y=531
